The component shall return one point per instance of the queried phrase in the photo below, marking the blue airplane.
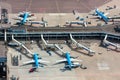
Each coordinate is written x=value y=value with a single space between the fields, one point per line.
x=70 y=61
x=36 y=60
x=24 y=17
x=102 y=15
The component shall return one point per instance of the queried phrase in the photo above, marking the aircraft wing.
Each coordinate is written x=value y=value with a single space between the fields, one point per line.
x=31 y=18
x=75 y=60
x=106 y=14
x=18 y=18
x=114 y=17
x=60 y=61
x=20 y=13
x=99 y=17
x=29 y=62
x=41 y=61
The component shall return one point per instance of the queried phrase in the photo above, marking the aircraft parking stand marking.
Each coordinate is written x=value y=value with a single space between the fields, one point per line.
x=103 y=66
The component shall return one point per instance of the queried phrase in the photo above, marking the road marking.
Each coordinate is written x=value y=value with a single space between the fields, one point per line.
x=84 y=5
x=29 y=6
x=57 y=6
x=103 y=66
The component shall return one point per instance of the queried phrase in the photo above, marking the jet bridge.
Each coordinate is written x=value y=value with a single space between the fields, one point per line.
x=20 y=44
x=46 y=44
x=90 y=52
x=59 y=48
x=107 y=43
x=51 y=45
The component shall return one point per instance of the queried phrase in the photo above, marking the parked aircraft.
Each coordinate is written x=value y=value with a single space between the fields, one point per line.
x=70 y=62
x=27 y=17
x=107 y=43
x=36 y=60
x=78 y=21
x=24 y=17
x=104 y=16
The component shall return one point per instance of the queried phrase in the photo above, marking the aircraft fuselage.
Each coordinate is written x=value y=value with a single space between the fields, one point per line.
x=35 y=56
x=25 y=16
x=69 y=60
x=102 y=15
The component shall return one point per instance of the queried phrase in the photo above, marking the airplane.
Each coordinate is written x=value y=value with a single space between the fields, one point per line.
x=90 y=52
x=78 y=21
x=27 y=17
x=36 y=60
x=107 y=43
x=71 y=62
x=104 y=16
x=24 y=17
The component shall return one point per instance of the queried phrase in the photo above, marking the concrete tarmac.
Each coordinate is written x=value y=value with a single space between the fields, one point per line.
x=53 y=6
x=104 y=66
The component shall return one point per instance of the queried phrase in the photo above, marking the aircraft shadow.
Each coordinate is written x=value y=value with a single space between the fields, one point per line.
x=19 y=50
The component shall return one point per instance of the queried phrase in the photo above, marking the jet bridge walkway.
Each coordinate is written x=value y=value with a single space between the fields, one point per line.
x=108 y=43
x=22 y=45
x=90 y=52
